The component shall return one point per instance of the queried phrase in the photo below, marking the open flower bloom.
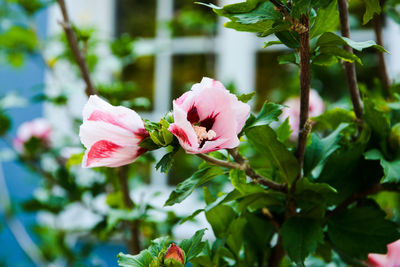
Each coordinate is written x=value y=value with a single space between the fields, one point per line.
x=316 y=108
x=38 y=128
x=391 y=259
x=110 y=134
x=208 y=118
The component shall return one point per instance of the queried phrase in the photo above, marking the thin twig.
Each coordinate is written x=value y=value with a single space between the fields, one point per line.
x=378 y=20
x=73 y=43
x=252 y=174
x=222 y=163
x=350 y=67
x=17 y=228
x=134 y=243
x=277 y=254
x=305 y=81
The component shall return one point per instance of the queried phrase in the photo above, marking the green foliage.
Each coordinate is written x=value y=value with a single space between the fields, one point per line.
x=362 y=230
x=187 y=187
x=371 y=7
x=5 y=123
x=300 y=237
x=327 y=20
x=263 y=139
x=193 y=246
x=391 y=168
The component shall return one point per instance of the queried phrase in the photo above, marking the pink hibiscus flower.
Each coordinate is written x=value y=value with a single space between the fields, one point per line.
x=38 y=128
x=292 y=111
x=110 y=134
x=208 y=118
x=391 y=259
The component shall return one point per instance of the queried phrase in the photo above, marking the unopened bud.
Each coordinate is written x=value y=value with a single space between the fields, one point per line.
x=174 y=255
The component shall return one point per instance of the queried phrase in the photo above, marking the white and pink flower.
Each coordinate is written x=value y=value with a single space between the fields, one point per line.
x=208 y=118
x=391 y=259
x=38 y=128
x=111 y=134
x=292 y=111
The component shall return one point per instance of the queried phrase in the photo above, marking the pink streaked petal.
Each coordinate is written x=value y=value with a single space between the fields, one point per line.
x=217 y=144
x=100 y=150
x=377 y=260
x=97 y=109
x=242 y=112
x=212 y=101
x=180 y=121
x=92 y=131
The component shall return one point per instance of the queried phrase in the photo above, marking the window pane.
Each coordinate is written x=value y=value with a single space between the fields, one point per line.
x=191 y=19
x=270 y=76
x=190 y=69
x=141 y=73
x=136 y=17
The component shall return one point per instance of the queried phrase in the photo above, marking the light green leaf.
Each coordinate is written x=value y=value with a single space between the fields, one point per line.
x=184 y=189
x=371 y=7
x=267 y=44
x=391 y=168
x=327 y=20
x=193 y=246
x=143 y=259
x=300 y=237
x=340 y=53
x=331 y=39
x=239 y=181
x=246 y=97
x=284 y=131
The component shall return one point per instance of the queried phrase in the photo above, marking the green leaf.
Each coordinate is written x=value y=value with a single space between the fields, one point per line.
x=331 y=119
x=264 y=11
x=327 y=20
x=371 y=7
x=158 y=246
x=300 y=7
x=331 y=39
x=289 y=58
x=193 y=246
x=246 y=97
x=319 y=150
x=220 y=218
x=184 y=189
x=267 y=44
x=305 y=185
x=239 y=181
x=362 y=230
x=284 y=131
x=324 y=60
x=166 y=161
x=265 y=141
x=289 y=38
x=300 y=237
x=339 y=53
x=378 y=120
x=143 y=259
x=391 y=168
x=269 y=112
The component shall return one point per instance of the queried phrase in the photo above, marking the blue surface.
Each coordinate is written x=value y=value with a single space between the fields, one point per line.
x=28 y=81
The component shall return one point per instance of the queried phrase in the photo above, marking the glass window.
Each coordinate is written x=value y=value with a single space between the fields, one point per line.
x=191 y=19
x=190 y=69
x=136 y=17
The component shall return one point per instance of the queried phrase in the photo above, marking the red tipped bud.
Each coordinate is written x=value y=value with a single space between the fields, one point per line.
x=174 y=254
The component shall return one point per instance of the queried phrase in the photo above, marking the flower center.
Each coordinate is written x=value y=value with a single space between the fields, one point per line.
x=203 y=134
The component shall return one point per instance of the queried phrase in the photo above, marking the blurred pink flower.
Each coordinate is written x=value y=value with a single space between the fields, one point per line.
x=391 y=259
x=111 y=134
x=208 y=118
x=39 y=128
x=292 y=111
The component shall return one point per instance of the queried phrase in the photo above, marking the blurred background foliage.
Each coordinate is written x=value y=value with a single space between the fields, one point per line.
x=62 y=184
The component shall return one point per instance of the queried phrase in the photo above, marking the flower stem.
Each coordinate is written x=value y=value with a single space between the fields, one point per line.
x=134 y=243
x=378 y=20
x=242 y=164
x=349 y=67
x=305 y=80
x=78 y=55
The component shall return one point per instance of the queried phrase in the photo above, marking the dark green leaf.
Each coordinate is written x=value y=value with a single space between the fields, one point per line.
x=319 y=150
x=331 y=119
x=185 y=188
x=166 y=161
x=390 y=168
x=300 y=237
x=362 y=230
x=289 y=58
